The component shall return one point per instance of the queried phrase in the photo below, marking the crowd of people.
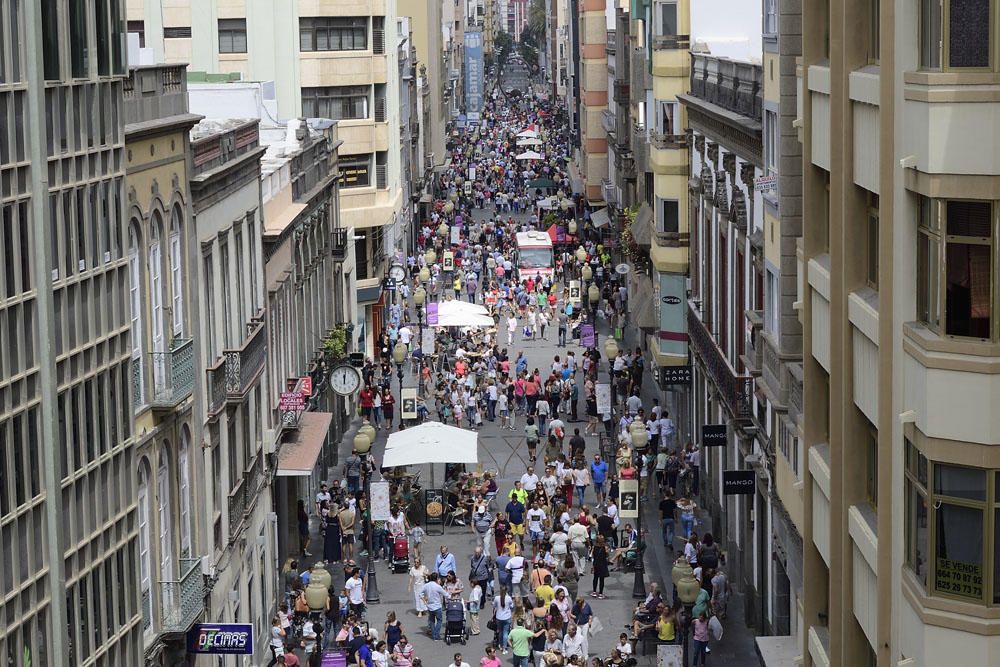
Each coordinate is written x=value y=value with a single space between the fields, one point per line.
x=559 y=524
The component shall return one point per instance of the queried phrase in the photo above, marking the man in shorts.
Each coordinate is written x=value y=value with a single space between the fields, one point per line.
x=536 y=526
x=515 y=517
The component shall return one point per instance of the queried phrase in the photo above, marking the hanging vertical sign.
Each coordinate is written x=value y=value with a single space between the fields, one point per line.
x=673 y=334
x=473 y=75
x=432 y=314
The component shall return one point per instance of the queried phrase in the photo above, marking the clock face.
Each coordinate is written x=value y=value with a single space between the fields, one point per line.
x=345 y=380
x=397 y=273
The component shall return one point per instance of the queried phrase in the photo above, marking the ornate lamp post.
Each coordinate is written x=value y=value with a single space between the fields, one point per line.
x=594 y=300
x=425 y=273
x=688 y=589
x=419 y=297
x=363 y=445
x=640 y=438
x=399 y=356
x=611 y=351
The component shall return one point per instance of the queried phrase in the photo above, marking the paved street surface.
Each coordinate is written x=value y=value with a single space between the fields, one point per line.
x=506 y=452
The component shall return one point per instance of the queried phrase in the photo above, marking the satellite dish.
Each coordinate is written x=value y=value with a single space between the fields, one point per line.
x=622 y=269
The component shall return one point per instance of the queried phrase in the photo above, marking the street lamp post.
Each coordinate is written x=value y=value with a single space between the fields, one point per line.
x=363 y=445
x=640 y=438
x=419 y=297
x=688 y=589
x=399 y=356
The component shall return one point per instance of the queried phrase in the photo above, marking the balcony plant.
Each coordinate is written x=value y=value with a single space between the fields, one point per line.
x=335 y=343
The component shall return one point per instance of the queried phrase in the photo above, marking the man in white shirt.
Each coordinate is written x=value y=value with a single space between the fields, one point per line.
x=518 y=584
x=549 y=482
x=321 y=496
x=578 y=543
x=356 y=592
x=458 y=661
x=536 y=526
x=574 y=643
x=667 y=431
x=405 y=335
x=529 y=480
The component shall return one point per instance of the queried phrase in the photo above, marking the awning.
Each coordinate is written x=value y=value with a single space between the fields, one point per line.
x=647 y=316
x=426 y=198
x=542 y=183
x=642 y=227
x=298 y=457
x=600 y=218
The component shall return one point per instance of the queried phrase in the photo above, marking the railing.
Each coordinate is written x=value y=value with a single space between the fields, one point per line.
x=754 y=342
x=621 y=92
x=338 y=244
x=182 y=601
x=236 y=371
x=173 y=374
x=172 y=78
x=237 y=507
x=378 y=41
x=137 y=384
x=255 y=477
x=147 y=610
x=795 y=390
x=380 y=110
x=608 y=121
x=736 y=390
x=671 y=42
x=668 y=141
x=381 y=177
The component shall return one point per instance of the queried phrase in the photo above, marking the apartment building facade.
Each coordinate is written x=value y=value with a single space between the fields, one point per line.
x=332 y=60
x=898 y=308
x=165 y=360
x=69 y=585
x=591 y=35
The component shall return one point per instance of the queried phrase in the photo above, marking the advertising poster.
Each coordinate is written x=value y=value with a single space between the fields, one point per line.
x=602 y=393
x=587 y=336
x=409 y=408
x=380 y=501
x=432 y=316
x=574 y=291
x=448 y=261
x=221 y=639
x=628 y=498
x=427 y=342
x=673 y=334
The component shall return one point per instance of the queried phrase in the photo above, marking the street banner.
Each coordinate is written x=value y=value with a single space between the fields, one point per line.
x=474 y=82
x=409 y=402
x=432 y=317
x=574 y=291
x=587 y=335
x=427 y=342
x=456 y=231
x=673 y=333
x=628 y=498
x=221 y=639
x=602 y=392
x=380 y=501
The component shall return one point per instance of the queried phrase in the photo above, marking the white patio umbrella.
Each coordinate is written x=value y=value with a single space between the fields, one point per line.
x=530 y=141
x=531 y=134
x=456 y=307
x=529 y=155
x=431 y=442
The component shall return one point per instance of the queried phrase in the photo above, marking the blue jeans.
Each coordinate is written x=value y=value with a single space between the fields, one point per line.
x=687 y=524
x=353 y=484
x=434 y=623
x=520 y=661
x=668 y=533
x=540 y=420
x=579 y=495
x=503 y=629
x=699 y=653
x=380 y=544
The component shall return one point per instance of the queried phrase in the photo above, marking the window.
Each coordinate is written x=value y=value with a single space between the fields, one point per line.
x=666 y=121
x=145 y=564
x=176 y=273
x=333 y=33
x=139 y=28
x=209 y=305
x=336 y=102
x=78 y=38
x=355 y=171
x=669 y=215
x=873 y=31
x=771 y=142
x=772 y=297
x=955 y=34
x=871 y=265
x=177 y=32
x=164 y=516
x=871 y=466
x=232 y=35
x=668 y=18
x=156 y=303
x=955 y=255
x=184 y=491
x=135 y=307
x=770 y=17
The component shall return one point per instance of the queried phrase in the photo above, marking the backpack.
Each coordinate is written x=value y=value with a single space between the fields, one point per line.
x=709 y=557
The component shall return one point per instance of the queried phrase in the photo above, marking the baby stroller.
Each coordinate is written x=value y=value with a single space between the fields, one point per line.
x=454 y=622
x=400 y=554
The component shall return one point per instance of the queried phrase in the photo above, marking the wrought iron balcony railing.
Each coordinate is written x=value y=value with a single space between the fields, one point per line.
x=182 y=601
x=667 y=141
x=237 y=507
x=173 y=374
x=736 y=390
x=671 y=42
x=236 y=371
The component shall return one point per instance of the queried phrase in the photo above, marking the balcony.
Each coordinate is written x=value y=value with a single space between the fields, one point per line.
x=338 y=244
x=671 y=42
x=381 y=177
x=640 y=149
x=610 y=191
x=174 y=374
x=380 y=110
x=736 y=390
x=154 y=92
x=237 y=370
x=608 y=121
x=182 y=601
x=237 y=507
x=621 y=92
x=753 y=358
x=668 y=141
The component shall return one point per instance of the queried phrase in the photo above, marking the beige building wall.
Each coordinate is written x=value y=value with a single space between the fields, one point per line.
x=594 y=96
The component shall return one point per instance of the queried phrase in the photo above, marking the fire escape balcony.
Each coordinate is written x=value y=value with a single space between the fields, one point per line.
x=237 y=369
x=173 y=375
x=736 y=390
x=338 y=244
x=182 y=602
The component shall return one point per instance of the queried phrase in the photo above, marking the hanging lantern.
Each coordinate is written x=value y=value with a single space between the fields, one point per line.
x=594 y=295
x=425 y=273
x=399 y=352
x=448 y=208
x=316 y=596
x=581 y=254
x=430 y=257
x=611 y=348
x=587 y=273
x=442 y=230
x=420 y=294
x=681 y=569
x=571 y=227
x=362 y=443
x=688 y=588
x=368 y=430
x=640 y=437
x=321 y=575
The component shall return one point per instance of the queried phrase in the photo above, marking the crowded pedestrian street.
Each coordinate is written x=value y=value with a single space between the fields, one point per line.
x=539 y=545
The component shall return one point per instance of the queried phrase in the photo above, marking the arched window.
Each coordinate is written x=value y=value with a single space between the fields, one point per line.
x=163 y=516
x=184 y=490
x=135 y=307
x=156 y=304
x=177 y=272
x=145 y=561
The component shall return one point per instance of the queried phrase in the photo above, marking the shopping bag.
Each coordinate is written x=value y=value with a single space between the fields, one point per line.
x=715 y=627
x=595 y=626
